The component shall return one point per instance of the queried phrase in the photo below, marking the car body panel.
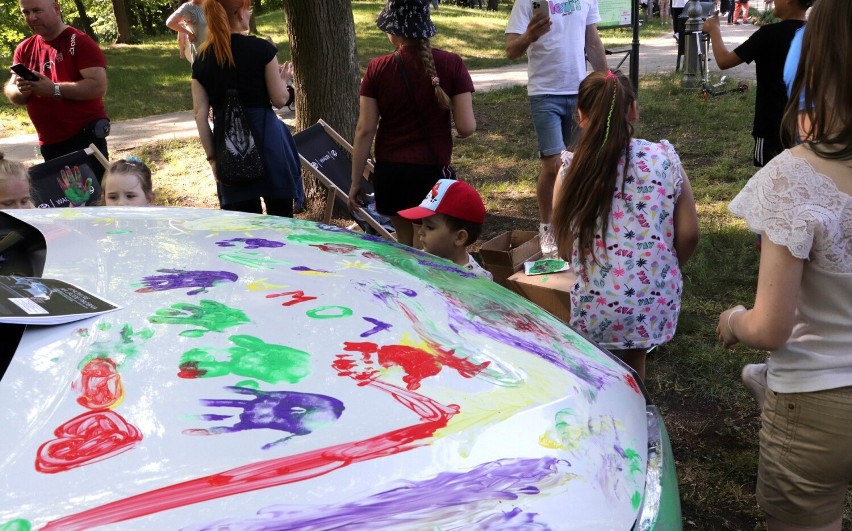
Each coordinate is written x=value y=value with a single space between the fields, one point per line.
x=267 y=372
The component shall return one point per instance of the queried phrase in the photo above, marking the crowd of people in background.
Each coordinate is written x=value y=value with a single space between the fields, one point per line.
x=619 y=208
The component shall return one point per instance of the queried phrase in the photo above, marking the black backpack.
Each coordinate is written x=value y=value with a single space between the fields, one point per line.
x=238 y=160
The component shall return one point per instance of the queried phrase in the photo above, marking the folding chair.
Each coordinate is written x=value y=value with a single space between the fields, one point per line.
x=69 y=180
x=329 y=157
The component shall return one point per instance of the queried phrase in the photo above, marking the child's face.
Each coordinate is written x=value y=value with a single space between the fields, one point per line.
x=437 y=237
x=124 y=189
x=15 y=193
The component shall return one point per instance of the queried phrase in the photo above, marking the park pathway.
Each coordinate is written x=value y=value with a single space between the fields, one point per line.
x=655 y=55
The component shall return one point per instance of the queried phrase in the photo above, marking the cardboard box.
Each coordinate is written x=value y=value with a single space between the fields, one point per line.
x=504 y=255
x=551 y=292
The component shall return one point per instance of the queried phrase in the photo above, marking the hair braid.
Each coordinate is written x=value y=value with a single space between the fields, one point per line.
x=429 y=65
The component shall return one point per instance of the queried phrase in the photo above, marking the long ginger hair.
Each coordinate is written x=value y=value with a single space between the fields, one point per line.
x=585 y=195
x=219 y=14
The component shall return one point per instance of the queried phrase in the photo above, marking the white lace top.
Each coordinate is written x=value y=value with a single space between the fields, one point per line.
x=803 y=210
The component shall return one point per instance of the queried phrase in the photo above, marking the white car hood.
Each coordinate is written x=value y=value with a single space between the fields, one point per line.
x=277 y=373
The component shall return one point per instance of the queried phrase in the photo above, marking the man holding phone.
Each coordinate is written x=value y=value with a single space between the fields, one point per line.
x=65 y=100
x=557 y=36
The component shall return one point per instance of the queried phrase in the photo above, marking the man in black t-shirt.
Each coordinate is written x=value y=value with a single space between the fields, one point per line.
x=767 y=47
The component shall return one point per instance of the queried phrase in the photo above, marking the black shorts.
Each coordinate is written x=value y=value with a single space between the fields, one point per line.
x=766 y=149
x=399 y=186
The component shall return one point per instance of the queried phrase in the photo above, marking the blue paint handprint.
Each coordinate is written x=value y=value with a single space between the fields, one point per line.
x=287 y=411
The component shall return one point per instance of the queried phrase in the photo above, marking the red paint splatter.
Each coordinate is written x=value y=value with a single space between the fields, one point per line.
x=417 y=364
x=87 y=438
x=296 y=296
x=247 y=478
x=100 y=384
x=190 y=370
x=632 y=383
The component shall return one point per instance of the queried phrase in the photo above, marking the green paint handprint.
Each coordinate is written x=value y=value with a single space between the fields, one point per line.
x=211 y=316
x=77 y=191
x=249 y=357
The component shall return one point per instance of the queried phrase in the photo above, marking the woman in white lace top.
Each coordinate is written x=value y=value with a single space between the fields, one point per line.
x=801 y=204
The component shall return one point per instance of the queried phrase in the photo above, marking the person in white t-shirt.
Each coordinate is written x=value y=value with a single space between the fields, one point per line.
x=557 y=45
x=451 y=217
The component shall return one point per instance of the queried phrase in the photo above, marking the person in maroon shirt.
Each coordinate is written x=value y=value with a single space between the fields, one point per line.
x=65 y=103
x=408 y=101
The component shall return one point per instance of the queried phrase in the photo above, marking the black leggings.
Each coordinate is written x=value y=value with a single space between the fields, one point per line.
x=274 y=206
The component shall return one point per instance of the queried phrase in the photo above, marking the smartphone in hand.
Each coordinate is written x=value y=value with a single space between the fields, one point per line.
x=24 y=72
x=540 y=8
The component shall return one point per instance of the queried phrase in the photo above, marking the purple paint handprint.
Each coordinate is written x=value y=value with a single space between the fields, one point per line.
x=250 y=243
x=287 y=411
x=179 y=279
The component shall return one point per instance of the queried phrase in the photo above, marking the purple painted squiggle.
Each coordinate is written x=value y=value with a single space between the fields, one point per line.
x=577 y=365
x=250 y=243
x=481 y=499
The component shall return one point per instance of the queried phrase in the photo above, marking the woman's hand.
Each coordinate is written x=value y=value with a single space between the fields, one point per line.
x=725 y=328
x=356 y=196
x=286 y=72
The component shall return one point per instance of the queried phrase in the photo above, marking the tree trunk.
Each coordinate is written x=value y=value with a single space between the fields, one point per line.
x=85 y=22
x=122 y=22
x=327 y=77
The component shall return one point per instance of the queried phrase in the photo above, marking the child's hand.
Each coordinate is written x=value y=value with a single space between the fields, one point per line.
x=76 y=190
x=711 y=24
x=724 y=329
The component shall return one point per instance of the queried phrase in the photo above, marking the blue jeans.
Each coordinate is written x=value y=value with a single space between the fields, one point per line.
x=553 y=120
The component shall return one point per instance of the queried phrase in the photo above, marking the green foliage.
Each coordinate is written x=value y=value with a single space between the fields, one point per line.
x=12 y=30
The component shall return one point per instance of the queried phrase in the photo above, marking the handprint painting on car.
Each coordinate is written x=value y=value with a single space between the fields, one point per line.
x=70 y=185
x=274 y=373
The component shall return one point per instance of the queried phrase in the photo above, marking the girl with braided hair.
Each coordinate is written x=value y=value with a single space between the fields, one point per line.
x=624 y=215
x=408 y=101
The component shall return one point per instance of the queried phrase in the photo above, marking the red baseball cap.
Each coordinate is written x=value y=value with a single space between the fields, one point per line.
x=452 y=198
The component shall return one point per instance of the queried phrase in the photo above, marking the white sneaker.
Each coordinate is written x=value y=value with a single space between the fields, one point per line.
x=754 y=378
x=548 y=243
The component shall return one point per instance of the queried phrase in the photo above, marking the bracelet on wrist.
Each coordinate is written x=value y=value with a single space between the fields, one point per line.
x=738 y=310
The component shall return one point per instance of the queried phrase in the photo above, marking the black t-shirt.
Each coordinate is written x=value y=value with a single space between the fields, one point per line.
x=768 y=48
x=251 y=56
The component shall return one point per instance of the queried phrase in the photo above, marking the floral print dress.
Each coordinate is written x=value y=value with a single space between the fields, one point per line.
x=630 y=298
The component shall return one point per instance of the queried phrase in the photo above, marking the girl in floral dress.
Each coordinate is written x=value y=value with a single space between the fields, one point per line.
x=625 y=216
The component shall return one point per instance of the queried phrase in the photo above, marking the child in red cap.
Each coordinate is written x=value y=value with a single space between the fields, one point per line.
x=452 y=215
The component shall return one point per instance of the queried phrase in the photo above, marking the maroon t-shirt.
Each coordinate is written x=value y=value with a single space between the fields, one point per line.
x=400 y=136
x=58 y=119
